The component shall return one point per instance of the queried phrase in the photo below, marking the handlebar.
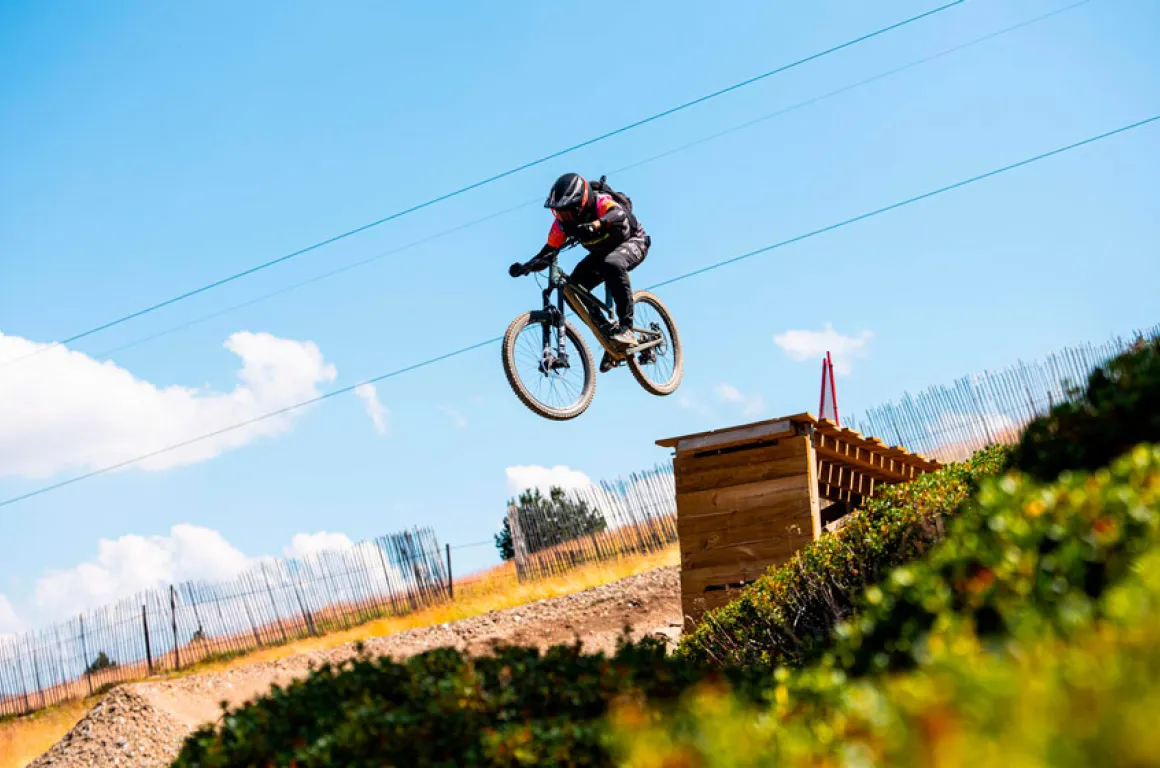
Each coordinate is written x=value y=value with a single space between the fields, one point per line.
x=569 y=243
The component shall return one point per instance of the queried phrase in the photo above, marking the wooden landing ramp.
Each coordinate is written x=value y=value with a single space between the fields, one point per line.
x=750 y=496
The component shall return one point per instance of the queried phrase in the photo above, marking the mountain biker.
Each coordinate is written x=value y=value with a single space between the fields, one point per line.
x=616 y=244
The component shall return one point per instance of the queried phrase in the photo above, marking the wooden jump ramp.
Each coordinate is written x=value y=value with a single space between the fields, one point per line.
x=750 y=496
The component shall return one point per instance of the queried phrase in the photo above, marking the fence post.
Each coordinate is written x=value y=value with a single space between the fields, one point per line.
x=173 y=616
x=380 y=546
x=196 y=617
x=273 y=604
x=302 y=603
x=450 y=580
x=148 y=647
x=250 y=618
x=85 y=655
x=36 y=674
x=23 y=682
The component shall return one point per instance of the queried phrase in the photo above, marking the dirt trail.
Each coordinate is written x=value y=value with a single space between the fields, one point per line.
x=144 y=724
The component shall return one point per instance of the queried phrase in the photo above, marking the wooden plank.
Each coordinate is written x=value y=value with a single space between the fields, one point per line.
x=697 y=579
x=738 y=498
x=862 y=459
x=721 y=531
x=735 y=436
x=763 y=554
x=812 y=483
x=781 y=448
x=698 y=473
x=740 y=474
x=846 y=478
x=732 y=528
x=802 y=419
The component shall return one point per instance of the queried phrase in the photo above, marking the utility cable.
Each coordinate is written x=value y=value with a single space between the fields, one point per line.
x=528 y=203
x=475 y=544
x=489 y=180
x=685 y=276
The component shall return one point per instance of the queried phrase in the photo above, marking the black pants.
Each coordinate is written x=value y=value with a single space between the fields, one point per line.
x=613 y=267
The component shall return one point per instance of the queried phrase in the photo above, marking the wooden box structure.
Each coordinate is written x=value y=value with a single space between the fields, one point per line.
x=750 y=496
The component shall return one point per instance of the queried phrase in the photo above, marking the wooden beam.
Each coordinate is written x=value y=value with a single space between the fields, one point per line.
x=840 y=494
x=847 y=478
x=859 y=457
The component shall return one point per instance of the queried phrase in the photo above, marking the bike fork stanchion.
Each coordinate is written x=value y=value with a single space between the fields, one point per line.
x=561 y=353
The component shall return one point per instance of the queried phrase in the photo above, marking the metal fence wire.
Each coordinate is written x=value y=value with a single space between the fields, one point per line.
x=275 y=601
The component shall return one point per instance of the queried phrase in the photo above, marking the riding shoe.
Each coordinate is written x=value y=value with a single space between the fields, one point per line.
x=622 y=336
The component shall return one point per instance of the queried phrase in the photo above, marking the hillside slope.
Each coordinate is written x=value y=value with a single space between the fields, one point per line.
x=143 y=724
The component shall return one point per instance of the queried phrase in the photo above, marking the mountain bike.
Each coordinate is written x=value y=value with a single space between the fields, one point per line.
x=549 y=365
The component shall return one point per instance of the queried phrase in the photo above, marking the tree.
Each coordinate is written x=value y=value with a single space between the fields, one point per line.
x=503 y=541
x=548 y=521
x=101 y=662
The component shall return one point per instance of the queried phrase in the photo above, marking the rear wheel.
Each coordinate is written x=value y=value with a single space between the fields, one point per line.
x=657 y=369
x=553 y=388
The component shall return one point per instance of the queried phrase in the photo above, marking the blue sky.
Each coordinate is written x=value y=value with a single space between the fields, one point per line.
x=147 y=149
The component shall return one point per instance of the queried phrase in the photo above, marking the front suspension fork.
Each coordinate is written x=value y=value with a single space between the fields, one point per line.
x=561 y=352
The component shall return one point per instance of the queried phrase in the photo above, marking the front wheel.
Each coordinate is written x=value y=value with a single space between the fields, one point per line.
x=554 y=387
x=659 y=368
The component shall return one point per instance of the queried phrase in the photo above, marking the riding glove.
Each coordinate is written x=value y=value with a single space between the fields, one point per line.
x=586 y=231
x=515 y=270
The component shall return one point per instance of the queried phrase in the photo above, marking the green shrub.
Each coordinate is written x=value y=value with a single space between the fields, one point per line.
x=1091 y=701
x=1119 y=408
x=517 y=707
x=1031 y=637
x=1023 y=561
x=1019 y=551
x=786 y=616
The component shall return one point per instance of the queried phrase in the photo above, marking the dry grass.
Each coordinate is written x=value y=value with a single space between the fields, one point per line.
x=25 y=738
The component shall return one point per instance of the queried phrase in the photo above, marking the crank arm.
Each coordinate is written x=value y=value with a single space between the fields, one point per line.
x=644 y=346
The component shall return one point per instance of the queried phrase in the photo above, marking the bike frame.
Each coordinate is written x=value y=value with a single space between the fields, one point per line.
x=585 y=305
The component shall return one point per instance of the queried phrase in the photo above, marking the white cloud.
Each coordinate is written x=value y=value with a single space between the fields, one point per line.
x=378 y=413
x=134 y=563
x=691 y=403
x=9 y=621
x=523 y=477
x=455 y=416
x=305 y=544
x=65 y=410
x=810 y=345
x=751 y=405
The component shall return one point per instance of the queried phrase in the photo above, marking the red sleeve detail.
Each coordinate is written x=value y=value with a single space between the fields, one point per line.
x=604 y=204
x=556 y=236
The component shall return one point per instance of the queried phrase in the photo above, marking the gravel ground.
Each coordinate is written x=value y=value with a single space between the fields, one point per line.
x=123 y=729
x=144 y=724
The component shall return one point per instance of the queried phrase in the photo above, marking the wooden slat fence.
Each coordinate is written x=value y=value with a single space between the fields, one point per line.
x=949 y=423
x=172 y=627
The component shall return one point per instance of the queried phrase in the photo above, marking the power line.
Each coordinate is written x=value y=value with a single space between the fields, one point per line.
x=632 y=166
x=902 y=203
x=309 y=281
x=474 y=544
x=685 y=276
x=489 y=180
